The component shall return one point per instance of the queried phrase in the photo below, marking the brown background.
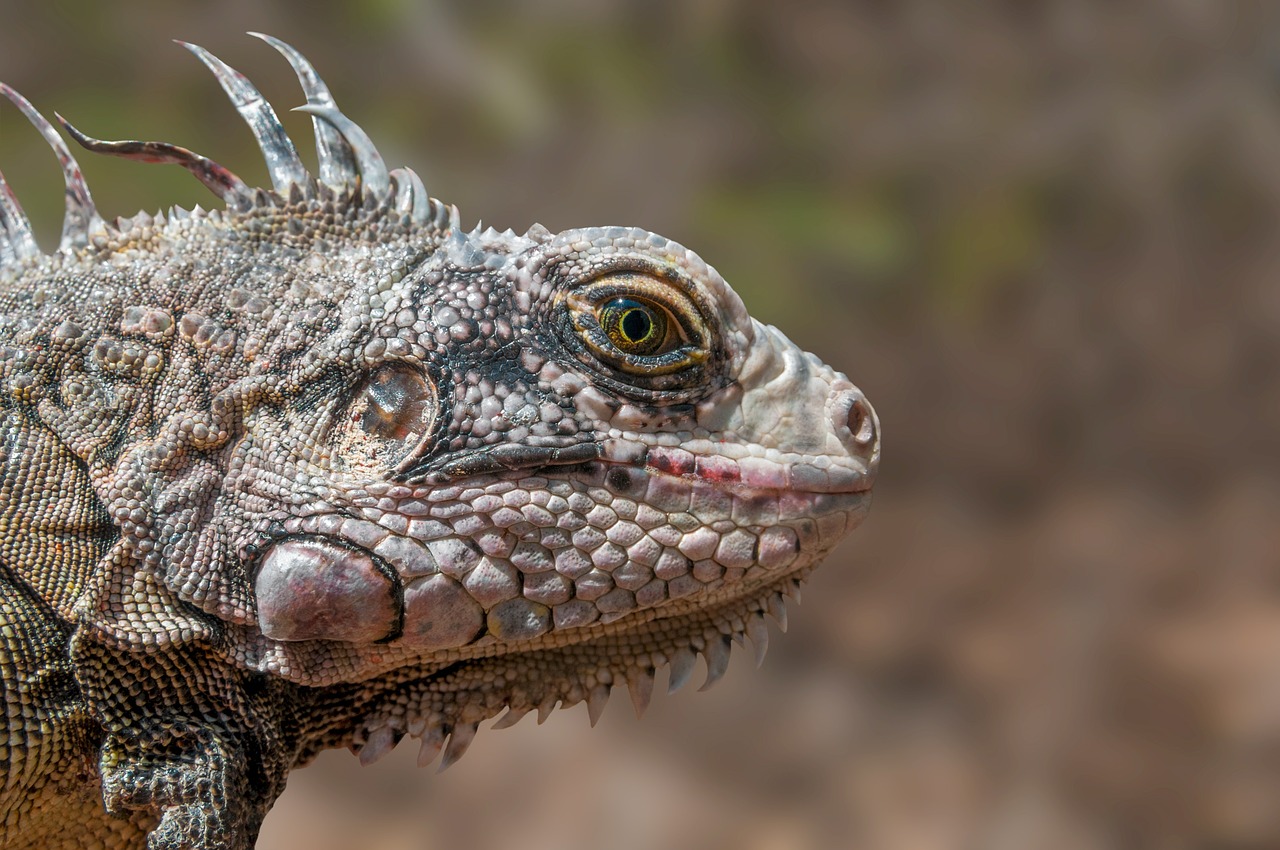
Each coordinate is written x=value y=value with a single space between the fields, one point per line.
x=1041 y=236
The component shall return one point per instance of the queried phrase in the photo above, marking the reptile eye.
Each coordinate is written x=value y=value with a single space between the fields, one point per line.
x=634 y=327
x=389 y=414
x=639 y=324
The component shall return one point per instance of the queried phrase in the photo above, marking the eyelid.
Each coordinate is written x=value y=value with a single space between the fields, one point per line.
x=682 y=311
x=685 y=340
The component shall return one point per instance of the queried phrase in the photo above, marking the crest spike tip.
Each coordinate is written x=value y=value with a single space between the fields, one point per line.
x=278 y=149
x=81 y=218
x=337 y=160
x=216 y=178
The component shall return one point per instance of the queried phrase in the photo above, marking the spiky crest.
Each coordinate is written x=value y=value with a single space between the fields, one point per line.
x=350 y=165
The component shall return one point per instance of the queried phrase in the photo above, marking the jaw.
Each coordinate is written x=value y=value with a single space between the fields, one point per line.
x=443 y=705
x=742 y=552
x=391 y=576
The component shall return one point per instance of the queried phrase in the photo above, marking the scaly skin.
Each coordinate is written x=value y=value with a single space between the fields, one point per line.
x=324 y=470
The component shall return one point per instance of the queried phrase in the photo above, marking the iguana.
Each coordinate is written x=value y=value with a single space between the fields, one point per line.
x=323 y=469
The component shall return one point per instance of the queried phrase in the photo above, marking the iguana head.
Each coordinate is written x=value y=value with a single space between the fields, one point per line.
x=527 y=436
x=454 y=470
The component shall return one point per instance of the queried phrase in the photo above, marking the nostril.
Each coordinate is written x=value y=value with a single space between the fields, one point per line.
x=861 y=420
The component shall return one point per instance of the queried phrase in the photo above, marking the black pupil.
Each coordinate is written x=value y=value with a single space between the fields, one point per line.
x=636 y=324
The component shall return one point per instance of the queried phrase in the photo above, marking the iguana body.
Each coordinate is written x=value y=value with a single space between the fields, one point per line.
x=324 y=470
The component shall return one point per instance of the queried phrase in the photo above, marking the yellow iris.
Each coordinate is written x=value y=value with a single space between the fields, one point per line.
x=634 y=327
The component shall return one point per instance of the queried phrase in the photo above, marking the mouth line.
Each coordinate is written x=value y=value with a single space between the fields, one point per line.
x=742 y=488
x=508 y=457
x=678 y=465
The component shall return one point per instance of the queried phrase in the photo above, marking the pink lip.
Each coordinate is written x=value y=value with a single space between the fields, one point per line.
x=756 y=473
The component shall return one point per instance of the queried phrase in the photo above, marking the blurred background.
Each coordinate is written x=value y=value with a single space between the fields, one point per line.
x=1042 y=236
